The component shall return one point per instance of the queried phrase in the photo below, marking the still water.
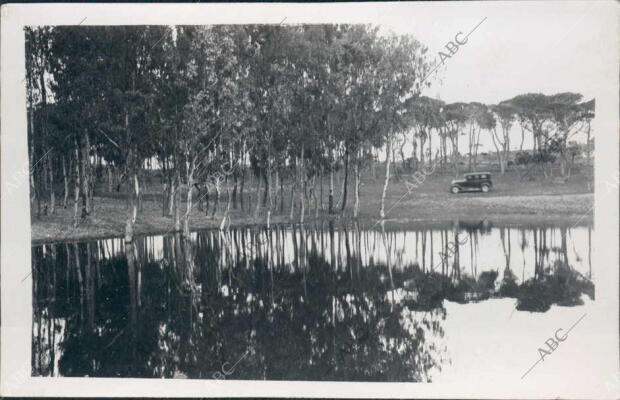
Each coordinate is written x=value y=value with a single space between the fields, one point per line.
x=316 y=302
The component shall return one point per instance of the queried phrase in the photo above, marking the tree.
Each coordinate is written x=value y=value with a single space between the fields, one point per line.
x=400 y=73
x=478 y=118
x=505 y=114
x=454 y=117
x=570 y=117
x=424 y=117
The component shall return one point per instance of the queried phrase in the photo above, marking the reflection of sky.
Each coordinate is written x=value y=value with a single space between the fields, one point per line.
x=491 y=342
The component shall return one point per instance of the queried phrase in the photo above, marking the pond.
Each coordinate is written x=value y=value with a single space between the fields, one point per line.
x=327 y=301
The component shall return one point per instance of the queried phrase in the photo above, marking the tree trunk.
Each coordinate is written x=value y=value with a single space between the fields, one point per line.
x=422 y=142
x=234 y=192
x=282 y=194
x=472 y=132
x=276 y=190
x=50 y=169
x=302 y=191
x=388 y=162
x=331 y=191
x=430 y=147
x=265 y=200
x=346 y=180
x=86 y=176
x=76 y=192
x=226 y=216
x=356 y=208
x=136 y=198
x=216 y=202
x=242 y=187
x=110 y=178
x=171 y=193
x=292 y=210
x=175 y=201
x=321 y=188
x=65 y=179
x=257 y=207
x=31 y=177
x=189 y=201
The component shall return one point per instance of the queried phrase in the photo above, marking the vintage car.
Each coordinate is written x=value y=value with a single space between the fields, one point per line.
x=473 y=181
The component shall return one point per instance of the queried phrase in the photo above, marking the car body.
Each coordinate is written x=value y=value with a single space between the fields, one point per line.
x=472 y=181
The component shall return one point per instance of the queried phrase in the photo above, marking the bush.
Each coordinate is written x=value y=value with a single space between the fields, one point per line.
x=523 y=158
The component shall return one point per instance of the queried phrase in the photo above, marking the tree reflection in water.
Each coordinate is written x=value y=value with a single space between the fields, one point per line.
x=292 y=302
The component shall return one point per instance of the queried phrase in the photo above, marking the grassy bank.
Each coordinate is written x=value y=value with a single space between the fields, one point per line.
x=512 y=200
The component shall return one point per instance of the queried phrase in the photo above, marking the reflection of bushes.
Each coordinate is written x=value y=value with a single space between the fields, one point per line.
x=559 y=285
x=509 y=286
x=432 y=288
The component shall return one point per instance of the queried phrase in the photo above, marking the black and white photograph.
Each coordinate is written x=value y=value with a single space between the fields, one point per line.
x=351 y=194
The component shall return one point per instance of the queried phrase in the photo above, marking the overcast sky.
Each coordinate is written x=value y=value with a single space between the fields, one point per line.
x=520 y=47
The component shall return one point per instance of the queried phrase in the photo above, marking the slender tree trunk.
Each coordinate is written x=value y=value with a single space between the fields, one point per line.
x=50 y=169
x=65 y=179
x=234 y=191
x=189 y=201
x=171 y=193
x=331 y=191
x=346 y=180
x=373 y=166
x=421 y=162
x=76 y=192
x=136 y=198
x=257 y=206
x=430 y=147
x=388 y=162
x=86 y=176
x=356 y=208
x=166 y=183
x=31 y=177
x=110 y=178
x=242 y=187
x=292 y=210
x=321 y=187
x=216 y=202
x=282 y=194
x=265 y=200
x=472 y=132
x=175 y=200
x=302 y=191
x=226 y=216
x=276 y=191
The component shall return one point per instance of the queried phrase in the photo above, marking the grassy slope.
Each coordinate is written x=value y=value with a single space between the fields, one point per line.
x=511 y=200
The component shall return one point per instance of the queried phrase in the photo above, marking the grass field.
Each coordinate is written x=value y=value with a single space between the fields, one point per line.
x=512 y=199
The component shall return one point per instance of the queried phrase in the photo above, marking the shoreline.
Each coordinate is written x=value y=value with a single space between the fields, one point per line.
x=426 y=222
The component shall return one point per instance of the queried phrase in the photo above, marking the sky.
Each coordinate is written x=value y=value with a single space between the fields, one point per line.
x=520 y=47
x=515 y=48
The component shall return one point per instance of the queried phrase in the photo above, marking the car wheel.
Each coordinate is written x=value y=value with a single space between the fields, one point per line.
x=485 y=188
x=455 y=189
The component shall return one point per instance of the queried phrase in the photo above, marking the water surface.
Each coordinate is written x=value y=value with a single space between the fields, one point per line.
x=315 y=302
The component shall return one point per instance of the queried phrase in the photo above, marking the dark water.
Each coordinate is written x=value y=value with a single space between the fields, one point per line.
x=324 y=302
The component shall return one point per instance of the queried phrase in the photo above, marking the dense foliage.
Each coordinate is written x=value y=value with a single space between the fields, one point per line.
x=209 y=106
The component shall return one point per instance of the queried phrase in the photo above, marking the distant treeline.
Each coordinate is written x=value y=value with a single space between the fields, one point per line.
x=288 y=105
